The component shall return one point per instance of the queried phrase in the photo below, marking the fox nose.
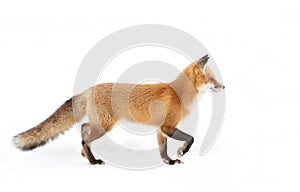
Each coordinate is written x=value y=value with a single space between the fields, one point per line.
x=220 y=87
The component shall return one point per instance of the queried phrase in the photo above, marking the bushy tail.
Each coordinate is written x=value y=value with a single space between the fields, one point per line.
x=61 y=120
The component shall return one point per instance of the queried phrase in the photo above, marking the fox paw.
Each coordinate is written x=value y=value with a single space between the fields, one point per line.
x=97 y=162
x=181 y=152
x=172 y=162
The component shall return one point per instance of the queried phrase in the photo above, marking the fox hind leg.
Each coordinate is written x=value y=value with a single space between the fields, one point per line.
x=87 y=153
x=90 y=133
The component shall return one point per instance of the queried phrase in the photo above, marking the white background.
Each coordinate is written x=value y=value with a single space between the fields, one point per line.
x=254 y=43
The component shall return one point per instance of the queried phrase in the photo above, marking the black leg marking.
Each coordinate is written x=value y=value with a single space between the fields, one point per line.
x=165 y=156
x=87 y=153
x=181 y=136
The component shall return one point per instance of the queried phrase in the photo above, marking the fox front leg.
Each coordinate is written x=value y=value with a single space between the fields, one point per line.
x=181 y=136
x=162 y=142
x=189 y=140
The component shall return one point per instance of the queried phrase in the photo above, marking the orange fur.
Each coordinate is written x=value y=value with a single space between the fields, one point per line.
x=162 y=104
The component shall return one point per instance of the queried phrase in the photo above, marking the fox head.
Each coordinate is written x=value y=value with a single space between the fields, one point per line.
x=202 y=76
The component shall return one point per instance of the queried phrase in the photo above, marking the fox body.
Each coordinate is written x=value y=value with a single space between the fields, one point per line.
x=162 y=104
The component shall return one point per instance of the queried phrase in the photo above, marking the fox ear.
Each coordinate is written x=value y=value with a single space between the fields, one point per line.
x=202 y=62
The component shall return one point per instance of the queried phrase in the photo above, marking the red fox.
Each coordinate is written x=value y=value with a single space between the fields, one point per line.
x=161 y=104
